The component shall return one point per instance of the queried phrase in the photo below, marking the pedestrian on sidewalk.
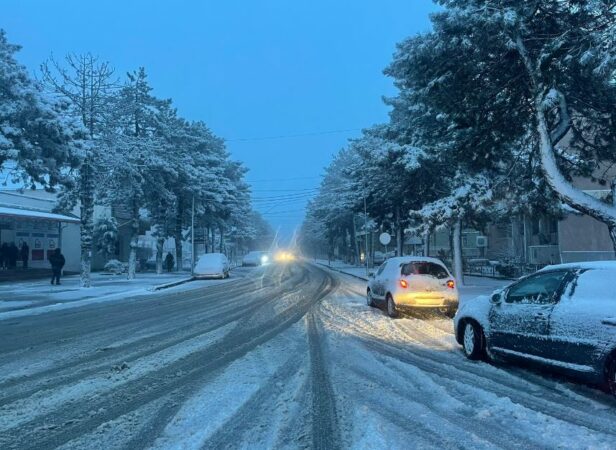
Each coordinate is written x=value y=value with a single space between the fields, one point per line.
x=4 y=253
x=56 y=259
x=25 y=254
x=169 y=262
x=13 y=255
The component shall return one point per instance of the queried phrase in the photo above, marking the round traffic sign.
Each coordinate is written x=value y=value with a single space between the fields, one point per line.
x=385 y=238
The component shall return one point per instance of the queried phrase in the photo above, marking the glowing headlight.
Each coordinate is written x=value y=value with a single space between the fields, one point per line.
x=264 y=259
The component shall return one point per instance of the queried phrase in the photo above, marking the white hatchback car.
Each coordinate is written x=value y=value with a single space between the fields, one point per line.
x=212 y=265
x=413 y=282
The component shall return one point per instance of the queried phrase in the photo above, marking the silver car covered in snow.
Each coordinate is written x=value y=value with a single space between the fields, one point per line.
x=212 y=265
x=408 y=282
x=563 y=317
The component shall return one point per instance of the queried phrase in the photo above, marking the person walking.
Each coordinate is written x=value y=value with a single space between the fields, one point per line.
x=4 y=253
x=56 y=259
x=13 y=255
x=25 y=254
x=169 y=262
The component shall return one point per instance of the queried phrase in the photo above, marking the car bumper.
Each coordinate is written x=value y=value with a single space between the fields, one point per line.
x=423 y=300
x=204 y=276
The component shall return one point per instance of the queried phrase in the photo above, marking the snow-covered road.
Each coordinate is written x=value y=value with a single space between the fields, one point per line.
x=290 y=357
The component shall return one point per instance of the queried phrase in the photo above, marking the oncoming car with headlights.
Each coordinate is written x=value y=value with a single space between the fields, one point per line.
x=410 y=282
x=284 y=256
x=256 y=258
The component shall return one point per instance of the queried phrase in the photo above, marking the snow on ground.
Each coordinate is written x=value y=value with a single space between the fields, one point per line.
x=25 y=410
x=406 y=383
x=395 y=384
x=38 y=297
x=268 y=379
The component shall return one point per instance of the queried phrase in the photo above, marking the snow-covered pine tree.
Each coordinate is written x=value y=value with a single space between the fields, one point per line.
x=521 y=82
x=105 y=236
x=88 y=85
x=38 y=139
x=137 y=154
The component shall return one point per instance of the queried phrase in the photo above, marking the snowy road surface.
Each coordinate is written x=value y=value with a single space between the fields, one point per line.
x=290 y=357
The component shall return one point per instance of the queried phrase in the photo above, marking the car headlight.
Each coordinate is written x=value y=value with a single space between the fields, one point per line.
x=264 y=259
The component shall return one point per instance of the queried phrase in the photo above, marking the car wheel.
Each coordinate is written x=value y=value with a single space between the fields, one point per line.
x=391 y=307
x=611 y=375
x=369 y=299
x=473 y=341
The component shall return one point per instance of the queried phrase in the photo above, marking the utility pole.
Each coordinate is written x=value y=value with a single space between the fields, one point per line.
x=366 y=228
x=192 y=237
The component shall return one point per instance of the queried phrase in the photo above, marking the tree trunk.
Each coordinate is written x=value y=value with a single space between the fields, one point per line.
x=457 y=253
x=134 y=242
x=356 y=245
x=399 y=234
x=159 y=255
x=87 y=222
x=569 y=194
x=427 y=244
x=222 y=239
x=177 y=236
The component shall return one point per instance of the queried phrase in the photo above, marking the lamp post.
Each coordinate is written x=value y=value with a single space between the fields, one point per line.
x=192 y=238
x=366 y=228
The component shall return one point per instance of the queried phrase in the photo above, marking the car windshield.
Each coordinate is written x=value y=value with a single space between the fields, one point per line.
x=424 y=268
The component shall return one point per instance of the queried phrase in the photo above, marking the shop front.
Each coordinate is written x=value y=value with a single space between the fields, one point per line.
x=42 y=232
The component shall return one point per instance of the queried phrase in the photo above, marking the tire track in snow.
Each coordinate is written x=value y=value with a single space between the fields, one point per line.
x=325 y=433
x=553 y=402
x=185 y=374
x=561 y=410
x=131 y=351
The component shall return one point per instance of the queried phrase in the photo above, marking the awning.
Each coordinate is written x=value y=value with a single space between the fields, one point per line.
x=32 y=214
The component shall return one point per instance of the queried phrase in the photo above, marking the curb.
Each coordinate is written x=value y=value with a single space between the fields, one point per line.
x=172 y=284
x=342 y=272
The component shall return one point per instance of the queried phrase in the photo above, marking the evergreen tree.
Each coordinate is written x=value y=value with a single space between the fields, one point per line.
x=38 y=139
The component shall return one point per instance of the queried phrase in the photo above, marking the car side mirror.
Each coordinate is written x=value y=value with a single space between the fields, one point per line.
x=497 y=297
x=371 y=274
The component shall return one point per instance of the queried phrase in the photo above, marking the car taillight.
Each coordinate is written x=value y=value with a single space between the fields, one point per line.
x=451 y=284
x=404 y=284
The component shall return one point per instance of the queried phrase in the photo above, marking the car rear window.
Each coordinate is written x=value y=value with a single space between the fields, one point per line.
x=424 y=268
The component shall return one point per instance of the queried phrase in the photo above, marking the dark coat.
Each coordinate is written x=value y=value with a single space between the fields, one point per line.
x=57 y=260
x=25 y=252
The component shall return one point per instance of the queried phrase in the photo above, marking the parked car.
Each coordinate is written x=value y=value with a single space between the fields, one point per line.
x=212 y=265
x=563 y=317
x=413 y=282
x=380 y=257
x=256 y=259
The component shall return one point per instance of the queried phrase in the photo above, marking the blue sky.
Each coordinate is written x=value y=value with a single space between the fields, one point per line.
x=250 y=69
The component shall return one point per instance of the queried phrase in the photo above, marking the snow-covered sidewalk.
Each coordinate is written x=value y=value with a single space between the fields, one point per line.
x=31 y=294
x=473 y=286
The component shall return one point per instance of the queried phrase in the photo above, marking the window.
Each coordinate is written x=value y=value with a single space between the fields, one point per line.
x=380 y=271
x=424 y=268
x=540 y=288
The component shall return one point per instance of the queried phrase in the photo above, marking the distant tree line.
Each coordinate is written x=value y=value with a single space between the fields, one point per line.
x=95 y=138
x=498 y=108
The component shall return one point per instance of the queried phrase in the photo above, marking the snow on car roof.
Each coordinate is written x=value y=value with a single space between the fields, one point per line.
x=599 y=265
x=215 y=256
x=409 y=259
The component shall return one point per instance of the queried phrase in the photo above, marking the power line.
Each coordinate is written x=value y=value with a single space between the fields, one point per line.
x=270 y=180
x=292 y=136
